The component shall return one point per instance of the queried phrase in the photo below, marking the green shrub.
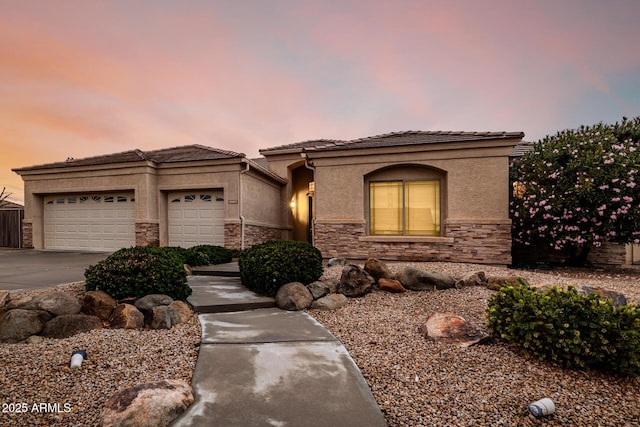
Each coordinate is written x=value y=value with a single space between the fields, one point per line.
x=574 y=330
x=266 y=267
x=202 y=254
x=213 y=254
x=139 y=271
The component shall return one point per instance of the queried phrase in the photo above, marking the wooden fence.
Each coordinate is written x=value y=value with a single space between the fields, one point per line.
x=11 y=228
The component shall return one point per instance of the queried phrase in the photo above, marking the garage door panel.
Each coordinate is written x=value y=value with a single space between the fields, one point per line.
x=89 y=222
x=194 y=218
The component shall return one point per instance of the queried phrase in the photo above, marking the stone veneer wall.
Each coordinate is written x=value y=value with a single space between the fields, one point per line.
x=253 y=235
x=475 y=243
x=27 y=235
x=147 y=234
x=232 y=236
x=609 y=254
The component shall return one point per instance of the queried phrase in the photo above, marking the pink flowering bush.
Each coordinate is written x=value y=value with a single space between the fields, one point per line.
x=579 y=188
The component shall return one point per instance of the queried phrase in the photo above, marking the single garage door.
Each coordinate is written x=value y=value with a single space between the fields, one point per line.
x=89 y=222
x=196 y=218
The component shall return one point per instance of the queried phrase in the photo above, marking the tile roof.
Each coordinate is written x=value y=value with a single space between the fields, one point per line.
x=522 y=148
x=166 y=155
x=393 y=139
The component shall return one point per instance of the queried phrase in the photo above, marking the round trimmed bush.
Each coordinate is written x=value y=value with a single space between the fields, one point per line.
x=139 y=271
x=266 y=267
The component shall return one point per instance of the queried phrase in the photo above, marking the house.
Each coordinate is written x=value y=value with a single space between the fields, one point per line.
x=441 y=196
x=11 y=215
x=180 y=196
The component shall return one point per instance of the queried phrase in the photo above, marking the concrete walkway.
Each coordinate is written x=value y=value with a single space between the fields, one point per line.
x=262 y=366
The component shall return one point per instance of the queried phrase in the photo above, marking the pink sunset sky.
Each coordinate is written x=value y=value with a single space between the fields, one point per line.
x=80 y=78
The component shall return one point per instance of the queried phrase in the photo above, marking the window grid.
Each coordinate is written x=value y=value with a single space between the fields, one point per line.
x=403 y=207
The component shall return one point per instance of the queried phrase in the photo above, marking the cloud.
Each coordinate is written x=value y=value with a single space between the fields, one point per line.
x=86 y=78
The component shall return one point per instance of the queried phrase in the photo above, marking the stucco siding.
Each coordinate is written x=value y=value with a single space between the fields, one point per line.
x=261 y=201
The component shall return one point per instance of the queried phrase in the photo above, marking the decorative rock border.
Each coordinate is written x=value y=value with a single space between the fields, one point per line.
x=57 y=314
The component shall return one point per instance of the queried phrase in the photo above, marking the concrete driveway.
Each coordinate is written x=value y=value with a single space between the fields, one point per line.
x=28 y=269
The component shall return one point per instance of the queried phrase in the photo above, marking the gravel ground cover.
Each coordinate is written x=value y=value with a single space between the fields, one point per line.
x=421 y=383
x=37 y=387
x=415 y=382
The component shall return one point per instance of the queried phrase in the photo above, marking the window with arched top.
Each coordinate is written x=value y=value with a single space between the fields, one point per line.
x=405 y=200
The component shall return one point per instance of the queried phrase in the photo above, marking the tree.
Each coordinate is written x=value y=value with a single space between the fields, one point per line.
x=579 y=188
x=3 y=196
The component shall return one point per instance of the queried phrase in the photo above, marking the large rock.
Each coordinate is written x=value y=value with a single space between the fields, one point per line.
x=391 y=285
x=377 y=269
x=293 y=296
x=158 y=317
x=17 y=301
x=17 y=325
x=318 y=289
x=617 y=297
x=179 y=312
x=55 y=302
x=419 y=280
x=336 y=262
x=147 y=302
x=98 y=303
x=330 y=302
x=471 y=279
x=4 y=298
x=68 y=325
x=152 y=404
x=126 y=316
x=452 y=329
x=354 y=282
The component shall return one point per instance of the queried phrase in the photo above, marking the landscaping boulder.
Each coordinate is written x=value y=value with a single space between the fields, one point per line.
x=17 y=301
x=98 y=303
x=336 y=262
x=452 y=329
x=126 y=316
x=330 y=302
x=55 y=302
x=318 y=289
x=4 y=298
x=496 y=282
x=156 y=403
x=471 y=279
x=17 y=325
x=377 y=269
x=617 y=297
x=67 y=325
x=293 y=296
x=354 y=282
x=391 y=285
x=152 y=300
x=179 y=312
x=158 y=317
x=419 y=280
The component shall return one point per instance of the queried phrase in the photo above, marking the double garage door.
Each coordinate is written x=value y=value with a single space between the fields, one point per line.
x=106 y=221
x=89 y=222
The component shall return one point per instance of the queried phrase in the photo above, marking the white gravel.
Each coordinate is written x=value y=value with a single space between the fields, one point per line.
x=421 y=383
